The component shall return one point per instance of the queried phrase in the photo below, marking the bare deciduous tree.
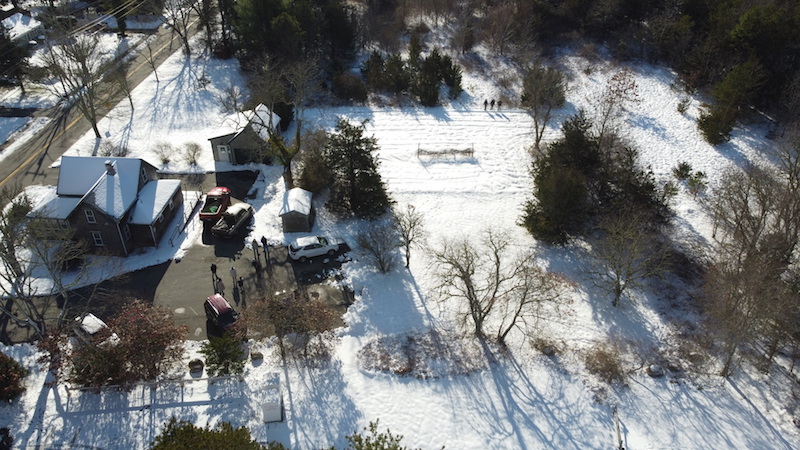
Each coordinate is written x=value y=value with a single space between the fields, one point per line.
x=78 y=66
x=495 y=287
x=231 y=98
x=410 y=226
x=751 y=295
x=150 y=57
x=35 y=254
x=544 y=89
x=501 y=27
x=621 y=90
x=118 y=75
x=627 y=254
x=304 y=79
x=379 y=242
x=178 y=14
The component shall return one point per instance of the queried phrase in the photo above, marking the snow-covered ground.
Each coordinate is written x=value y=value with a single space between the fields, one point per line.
x=521 y=400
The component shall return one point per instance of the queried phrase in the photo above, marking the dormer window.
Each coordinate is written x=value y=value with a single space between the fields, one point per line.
x=90 y=216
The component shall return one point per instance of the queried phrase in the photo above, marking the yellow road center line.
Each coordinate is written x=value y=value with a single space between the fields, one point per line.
x=42 y=149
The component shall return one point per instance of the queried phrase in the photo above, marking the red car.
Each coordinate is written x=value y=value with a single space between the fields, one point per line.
x=219 y=312
x=217 y=201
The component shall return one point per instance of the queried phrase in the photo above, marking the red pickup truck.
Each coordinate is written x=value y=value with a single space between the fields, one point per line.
x=217 y=201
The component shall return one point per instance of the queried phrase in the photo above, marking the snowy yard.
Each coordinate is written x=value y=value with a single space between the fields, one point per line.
x=523 y=399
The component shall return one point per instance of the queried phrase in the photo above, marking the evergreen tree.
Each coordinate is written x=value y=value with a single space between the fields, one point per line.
x=340 y=29
x=13 y=59
x=253 y=21
x=563 y=178
x=373 y=71
x=185 y=435
x=357 y=186
x=396 y=74
x=224 y=355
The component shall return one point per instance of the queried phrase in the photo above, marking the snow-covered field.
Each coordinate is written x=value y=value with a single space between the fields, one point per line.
x=521 y=400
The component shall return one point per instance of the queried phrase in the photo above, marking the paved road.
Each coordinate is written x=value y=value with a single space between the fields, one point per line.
x=30 y=164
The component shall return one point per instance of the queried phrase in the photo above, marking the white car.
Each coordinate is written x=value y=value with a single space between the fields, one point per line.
x=310 y=246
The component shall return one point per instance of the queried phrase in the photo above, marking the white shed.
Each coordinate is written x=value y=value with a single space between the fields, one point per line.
x=297 y=212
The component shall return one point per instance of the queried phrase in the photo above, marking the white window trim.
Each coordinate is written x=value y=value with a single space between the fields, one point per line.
x=90 y=217
x=98 y=239
x=126 y=232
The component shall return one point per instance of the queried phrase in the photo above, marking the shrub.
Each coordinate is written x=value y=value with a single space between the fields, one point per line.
x=164 y=151
x=697 y=182
x=683 y=104
x=348 y=86
x=185 y=435
x=380 y=242
x=12 y=375
x=372 y=439
x=716 y=125
x=108 y=148
x=605 y=361
x=192 y=152
x=224 y=355
x=683 y=171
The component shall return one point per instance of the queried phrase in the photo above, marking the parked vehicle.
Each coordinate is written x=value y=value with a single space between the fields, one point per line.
x=217 y=201
x=236 y=217
x=220 y=312
x=310 y=246
x=91 y=330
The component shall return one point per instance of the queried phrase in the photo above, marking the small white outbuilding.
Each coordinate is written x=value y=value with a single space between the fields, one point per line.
x=297 y=212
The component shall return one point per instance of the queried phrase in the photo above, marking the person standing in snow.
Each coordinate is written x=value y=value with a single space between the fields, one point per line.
x=492 y=104
x=499 y=104
x=221 y=287
x=485 y=104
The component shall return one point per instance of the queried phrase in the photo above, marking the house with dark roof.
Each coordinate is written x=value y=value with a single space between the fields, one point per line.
x=246 y=145
x=114 y=204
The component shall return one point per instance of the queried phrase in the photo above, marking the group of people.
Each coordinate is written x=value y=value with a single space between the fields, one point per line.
x=219 y=285
x=490 y=105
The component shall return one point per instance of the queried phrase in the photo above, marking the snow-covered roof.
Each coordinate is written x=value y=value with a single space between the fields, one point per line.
x=19 y=25
x=113 y=193
x=260 y=117
x=153 y=198
x=79 y=174
x=54 y=207
x=296 y=200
